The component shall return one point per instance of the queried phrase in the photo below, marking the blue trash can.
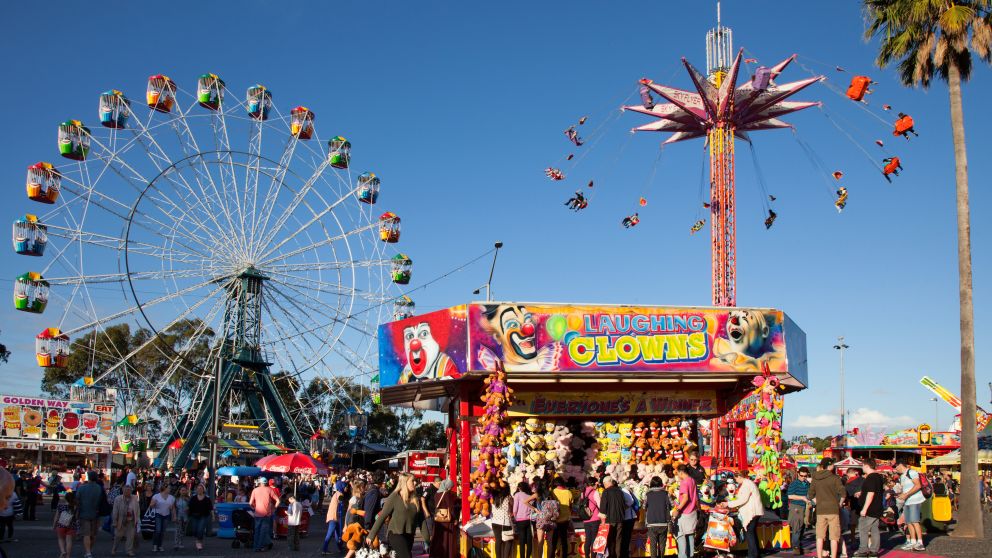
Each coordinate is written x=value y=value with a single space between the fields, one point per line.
x=225 y=523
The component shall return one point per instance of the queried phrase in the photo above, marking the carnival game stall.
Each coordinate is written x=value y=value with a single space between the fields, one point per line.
x=918 y=445
x=576 y=391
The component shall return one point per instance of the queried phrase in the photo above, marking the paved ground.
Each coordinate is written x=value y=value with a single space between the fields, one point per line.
x=36 y=540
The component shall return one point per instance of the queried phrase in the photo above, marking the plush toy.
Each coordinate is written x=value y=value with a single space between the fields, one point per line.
x=768 y=436
x=654 y=429
x=496 y=435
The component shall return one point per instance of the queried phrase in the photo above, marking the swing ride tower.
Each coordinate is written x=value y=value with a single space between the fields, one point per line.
x=723 y=196
x=721 y=112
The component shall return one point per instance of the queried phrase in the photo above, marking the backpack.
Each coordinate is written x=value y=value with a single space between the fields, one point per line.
x=585 y=510
x=925 y=487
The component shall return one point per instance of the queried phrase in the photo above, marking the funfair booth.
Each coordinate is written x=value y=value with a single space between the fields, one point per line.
x=588 y=390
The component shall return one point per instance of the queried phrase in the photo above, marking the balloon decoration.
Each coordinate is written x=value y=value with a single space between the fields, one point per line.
x=768 y=439
x=489 y=474
x=556 y=326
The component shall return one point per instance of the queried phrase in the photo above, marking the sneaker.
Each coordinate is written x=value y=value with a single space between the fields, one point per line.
x=918 y=547
x=861 y=554
x=907 y=546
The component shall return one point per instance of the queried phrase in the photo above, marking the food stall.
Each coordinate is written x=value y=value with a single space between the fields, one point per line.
x=40 y=432
x=587 y=389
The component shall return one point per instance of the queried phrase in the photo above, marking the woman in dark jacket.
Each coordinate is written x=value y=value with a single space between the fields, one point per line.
x=444 y=539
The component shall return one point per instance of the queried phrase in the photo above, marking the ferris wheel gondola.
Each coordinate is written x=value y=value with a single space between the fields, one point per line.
x=208 y=221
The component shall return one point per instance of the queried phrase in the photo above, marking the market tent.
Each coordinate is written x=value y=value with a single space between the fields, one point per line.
x=954 y=458
x=847 y=463
x=261 y=445
x=239 y=472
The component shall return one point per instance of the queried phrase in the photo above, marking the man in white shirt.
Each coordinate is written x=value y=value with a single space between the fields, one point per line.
x=912 y=499
x=131 y=480
x=748 y=502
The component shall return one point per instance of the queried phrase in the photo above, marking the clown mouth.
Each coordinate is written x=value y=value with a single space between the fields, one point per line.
x=524 y=346
x=417 y=361
x=734 y=329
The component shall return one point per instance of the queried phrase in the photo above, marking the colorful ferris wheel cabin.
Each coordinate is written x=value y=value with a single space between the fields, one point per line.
x=401 y=268
x=368 y=188
x=74 y=140
x=403 y=308
x=43 y=183
x=259 y=102
x=31 y=293
x=51 y=347
x=389 y=227
x=160 y=95
x=210 y=91
x=301 y=122
x=115 y=109
x=339 y=152
x=30 y=236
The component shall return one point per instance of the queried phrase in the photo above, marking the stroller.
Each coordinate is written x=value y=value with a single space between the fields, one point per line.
x=244 y=529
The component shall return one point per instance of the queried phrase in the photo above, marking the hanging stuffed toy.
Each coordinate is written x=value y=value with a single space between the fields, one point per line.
x=768 y=437
x=495 y=435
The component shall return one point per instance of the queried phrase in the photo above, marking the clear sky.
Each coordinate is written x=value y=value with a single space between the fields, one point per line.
x=461 y=106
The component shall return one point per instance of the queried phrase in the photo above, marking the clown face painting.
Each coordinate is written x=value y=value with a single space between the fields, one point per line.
x=515 y=331
x=424 y=359
x=746 y=345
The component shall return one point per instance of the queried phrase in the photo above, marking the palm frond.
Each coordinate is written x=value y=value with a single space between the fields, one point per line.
x=940 y=53
x=956 y=19
x=981 y=37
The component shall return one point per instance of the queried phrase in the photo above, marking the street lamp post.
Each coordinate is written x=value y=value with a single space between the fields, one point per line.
x=840 y=346
x=492 y=269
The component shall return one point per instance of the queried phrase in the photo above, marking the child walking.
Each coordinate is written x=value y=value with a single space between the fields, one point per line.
x=182 y=517
x=294 y=511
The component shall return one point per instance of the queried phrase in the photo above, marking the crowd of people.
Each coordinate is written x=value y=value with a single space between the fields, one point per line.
x=846 y=509
x=849 y=509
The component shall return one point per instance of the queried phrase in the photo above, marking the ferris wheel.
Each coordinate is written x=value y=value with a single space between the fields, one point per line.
x=223 y=225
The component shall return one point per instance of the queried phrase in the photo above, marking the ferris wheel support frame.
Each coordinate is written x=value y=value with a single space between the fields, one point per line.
x=242 y=363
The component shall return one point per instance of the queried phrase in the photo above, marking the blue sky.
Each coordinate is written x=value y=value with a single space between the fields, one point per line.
x=462 y=105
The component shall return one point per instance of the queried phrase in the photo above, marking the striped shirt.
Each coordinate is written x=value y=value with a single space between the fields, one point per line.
x=798 y=488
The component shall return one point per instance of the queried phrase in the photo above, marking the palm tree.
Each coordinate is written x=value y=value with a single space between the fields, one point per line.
x=939 y=36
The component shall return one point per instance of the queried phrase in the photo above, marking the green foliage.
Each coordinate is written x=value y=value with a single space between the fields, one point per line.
x=429 y=435
x=927 y=36
x=104 y=355
x=4 y=353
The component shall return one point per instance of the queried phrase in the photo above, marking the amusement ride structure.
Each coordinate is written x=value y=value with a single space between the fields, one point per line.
x=720 y=111
x=265 y=261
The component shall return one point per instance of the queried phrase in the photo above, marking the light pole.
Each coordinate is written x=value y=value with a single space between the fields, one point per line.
x=936 y=413
x=840 y=346
x=492 y=269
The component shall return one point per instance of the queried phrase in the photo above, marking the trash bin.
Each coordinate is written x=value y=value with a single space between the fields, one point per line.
x=225 y=523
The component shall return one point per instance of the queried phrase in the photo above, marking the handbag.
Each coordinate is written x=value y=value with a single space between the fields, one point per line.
x=442 y=515
x=65 y=519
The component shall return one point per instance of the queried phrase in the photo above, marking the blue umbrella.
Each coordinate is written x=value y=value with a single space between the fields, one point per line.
x=238 y=471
